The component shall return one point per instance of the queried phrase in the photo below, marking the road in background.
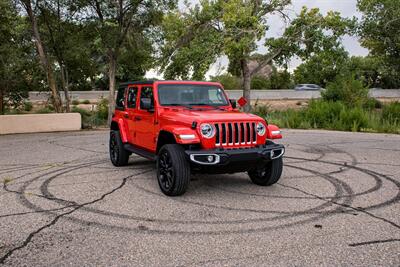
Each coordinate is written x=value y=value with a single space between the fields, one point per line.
x=63 y=203
x=235 y=94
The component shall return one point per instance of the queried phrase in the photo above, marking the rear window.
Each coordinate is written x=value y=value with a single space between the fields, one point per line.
x=119 y=102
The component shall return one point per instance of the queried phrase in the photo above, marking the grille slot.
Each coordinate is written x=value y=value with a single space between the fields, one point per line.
x=235 y=134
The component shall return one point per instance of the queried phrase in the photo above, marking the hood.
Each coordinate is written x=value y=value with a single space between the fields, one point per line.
x=187 y=116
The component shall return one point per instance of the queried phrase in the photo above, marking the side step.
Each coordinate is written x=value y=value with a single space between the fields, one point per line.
x=141 y=152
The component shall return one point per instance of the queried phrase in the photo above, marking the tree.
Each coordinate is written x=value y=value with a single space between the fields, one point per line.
x=19 y=70
x=379 y=30
x=322 y=67
x=115 y=21
x=44 y=59
x=195 y=39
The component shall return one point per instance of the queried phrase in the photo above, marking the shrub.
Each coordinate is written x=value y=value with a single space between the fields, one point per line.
x=346 y=89
x=372 y=103
x=28 y=106
x=75 y=102
x=83 y=112
x=102 y=109
x=45 y=110
x=86 y=101
x=391 y=112
x=261 y=110
x=258 y=82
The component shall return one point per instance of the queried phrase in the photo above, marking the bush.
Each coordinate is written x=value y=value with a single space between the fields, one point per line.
x=338 y=116
x=372 y=103
x=91 y=119
x=258 y=82
x=346 y=89
x=75 y=102
x=28 y=106
x=45 y=110
x=102 y=109
x=391 y=113
x=85 y=101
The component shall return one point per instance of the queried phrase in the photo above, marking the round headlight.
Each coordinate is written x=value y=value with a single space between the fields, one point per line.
x=260 y=129
x=207 y=130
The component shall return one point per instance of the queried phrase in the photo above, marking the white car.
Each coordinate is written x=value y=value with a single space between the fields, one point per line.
x=307 y=87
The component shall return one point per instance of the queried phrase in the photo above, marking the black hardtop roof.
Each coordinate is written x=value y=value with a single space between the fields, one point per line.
x=153 y=81
x=137 y=82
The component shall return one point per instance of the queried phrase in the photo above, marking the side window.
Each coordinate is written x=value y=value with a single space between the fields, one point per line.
x=119 y=103
x=146 y=92
x=132 y=93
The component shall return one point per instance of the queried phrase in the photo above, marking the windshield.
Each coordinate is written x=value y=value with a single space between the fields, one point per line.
x=191 y=95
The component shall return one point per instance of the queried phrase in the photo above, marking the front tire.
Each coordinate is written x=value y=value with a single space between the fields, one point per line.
x=118 y=155
x=173 y=170
x=268 y=174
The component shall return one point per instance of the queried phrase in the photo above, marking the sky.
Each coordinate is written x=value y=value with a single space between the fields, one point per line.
x=347 y=8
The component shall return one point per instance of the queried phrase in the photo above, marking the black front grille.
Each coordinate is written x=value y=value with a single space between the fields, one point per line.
x=235 y=133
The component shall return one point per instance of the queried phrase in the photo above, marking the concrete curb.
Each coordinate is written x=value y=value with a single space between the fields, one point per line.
x=36 y=123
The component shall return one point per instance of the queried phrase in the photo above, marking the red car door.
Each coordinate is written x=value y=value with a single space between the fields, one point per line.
x=145 y=121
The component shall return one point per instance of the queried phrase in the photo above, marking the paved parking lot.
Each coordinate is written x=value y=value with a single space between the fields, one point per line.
x=63 y=203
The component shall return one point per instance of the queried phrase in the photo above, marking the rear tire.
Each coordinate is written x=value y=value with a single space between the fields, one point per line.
x=268 y=174
x=118 y=155
x=173 y=170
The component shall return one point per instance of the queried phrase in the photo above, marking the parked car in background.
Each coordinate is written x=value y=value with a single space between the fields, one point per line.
x=307 y=87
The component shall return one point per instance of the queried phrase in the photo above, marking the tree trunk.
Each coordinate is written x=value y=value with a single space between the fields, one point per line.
x=64 y=81
x=112 y=64
x=43 y=57
x=246 y=83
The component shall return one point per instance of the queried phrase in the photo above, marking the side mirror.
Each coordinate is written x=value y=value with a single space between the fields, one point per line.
x=233 y=102
x=146 y=104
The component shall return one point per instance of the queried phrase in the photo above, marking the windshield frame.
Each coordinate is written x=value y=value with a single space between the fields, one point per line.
x=228 y=104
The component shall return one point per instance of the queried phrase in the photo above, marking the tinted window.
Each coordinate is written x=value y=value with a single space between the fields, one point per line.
x=146 y=92
x=119 y=103
x=132 y=97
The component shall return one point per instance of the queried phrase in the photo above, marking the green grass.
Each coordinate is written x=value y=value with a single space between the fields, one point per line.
x=338 y=116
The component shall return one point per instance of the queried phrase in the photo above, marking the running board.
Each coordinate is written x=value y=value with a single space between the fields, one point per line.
x=141 y=152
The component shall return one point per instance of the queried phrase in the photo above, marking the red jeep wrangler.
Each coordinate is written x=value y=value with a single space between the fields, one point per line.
x=190 y=127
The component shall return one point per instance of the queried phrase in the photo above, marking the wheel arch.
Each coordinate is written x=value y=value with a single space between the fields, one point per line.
x=165 y=137
x=118 y=125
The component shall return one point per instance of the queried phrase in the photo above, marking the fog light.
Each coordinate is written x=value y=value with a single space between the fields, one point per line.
x=210 y=158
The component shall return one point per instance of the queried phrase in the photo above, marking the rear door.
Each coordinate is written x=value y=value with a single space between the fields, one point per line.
x=131 y=108
x=145 y=121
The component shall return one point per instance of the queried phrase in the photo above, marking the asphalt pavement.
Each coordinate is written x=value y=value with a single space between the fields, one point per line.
x=63 y=203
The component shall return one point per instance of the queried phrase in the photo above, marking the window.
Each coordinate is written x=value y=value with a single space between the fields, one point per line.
x=146 y=92
x=119 y=103
x=132 y=93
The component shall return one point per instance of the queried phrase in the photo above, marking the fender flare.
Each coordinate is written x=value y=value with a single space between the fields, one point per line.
x=178 y=130
x=122 y=129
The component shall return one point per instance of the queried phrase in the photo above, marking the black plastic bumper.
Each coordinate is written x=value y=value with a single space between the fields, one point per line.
x=233 y=160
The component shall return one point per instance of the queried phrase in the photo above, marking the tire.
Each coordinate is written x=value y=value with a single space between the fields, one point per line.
x=269 y=174
x=173 y=170
x=118 y=155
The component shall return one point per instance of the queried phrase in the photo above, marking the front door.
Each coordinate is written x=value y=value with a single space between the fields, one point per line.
x=131 y=109
x=145 y=121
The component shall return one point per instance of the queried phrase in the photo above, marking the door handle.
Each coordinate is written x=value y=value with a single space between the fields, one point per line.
x=138 y=118
x=126 y=115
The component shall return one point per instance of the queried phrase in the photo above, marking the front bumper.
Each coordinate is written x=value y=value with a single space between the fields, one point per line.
x=233 y=159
